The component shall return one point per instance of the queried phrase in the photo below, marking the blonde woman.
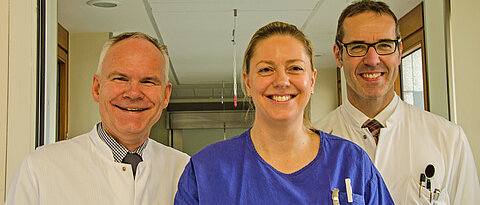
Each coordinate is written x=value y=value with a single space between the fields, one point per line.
x=280 y=160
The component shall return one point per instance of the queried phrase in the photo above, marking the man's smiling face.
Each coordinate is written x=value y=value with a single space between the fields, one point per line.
x=131 y=91
x=371 y=76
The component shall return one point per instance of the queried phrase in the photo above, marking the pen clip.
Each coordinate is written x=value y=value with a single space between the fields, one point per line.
x=335 y=199
x=436 y=195
x=423 y=178
x=422 y=184
x=429 y=187
x=348 y=186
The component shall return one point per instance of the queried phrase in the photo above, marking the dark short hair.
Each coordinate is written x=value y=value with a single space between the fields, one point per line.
x=362 y=7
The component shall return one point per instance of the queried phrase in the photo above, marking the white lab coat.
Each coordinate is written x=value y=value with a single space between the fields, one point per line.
x=411 y=140
x=82 y=171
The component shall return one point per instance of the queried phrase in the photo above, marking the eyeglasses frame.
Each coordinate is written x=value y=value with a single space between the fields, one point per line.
x=344 y=45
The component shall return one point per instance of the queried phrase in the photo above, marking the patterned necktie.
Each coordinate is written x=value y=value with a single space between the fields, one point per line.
x=133 y=159
x=374 y=128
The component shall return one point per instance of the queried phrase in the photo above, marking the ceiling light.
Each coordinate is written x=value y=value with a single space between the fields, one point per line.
x=103 y=3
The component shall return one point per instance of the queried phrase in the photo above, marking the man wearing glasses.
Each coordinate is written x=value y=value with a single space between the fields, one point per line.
x=423 y=158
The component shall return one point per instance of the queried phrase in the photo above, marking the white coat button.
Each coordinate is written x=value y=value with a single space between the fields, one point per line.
x=123 y=168
x=364 y=136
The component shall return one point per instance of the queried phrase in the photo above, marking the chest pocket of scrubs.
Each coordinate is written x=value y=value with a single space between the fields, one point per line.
x=357 y=199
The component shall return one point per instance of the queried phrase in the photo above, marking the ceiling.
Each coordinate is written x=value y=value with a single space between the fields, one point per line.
x=198 y=33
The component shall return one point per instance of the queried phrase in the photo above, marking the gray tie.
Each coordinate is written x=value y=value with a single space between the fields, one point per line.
x=133 y=159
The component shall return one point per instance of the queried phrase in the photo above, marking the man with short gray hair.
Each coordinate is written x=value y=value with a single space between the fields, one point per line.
x=115 y=163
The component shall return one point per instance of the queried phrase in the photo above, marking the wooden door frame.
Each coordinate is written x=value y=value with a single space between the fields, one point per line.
x=62 y=92
x=412 y=30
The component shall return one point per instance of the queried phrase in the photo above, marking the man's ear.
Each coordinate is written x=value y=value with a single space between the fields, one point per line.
x=167 y=93
x=400 y=50
x=96 y=88
x=338 y=55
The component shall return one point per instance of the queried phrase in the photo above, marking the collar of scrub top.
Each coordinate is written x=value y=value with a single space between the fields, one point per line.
x=358 y=118
x=118 y=150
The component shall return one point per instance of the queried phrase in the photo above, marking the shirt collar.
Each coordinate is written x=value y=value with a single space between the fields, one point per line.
x=382 y=117
x=118 y=150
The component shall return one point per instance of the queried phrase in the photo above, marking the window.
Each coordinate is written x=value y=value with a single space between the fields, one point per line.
x=411 y=83
x=412 y=79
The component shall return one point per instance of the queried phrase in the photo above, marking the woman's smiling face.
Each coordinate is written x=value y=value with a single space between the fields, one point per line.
x=280 y=79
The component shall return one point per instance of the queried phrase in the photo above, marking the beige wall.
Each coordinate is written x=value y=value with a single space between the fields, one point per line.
x=84 y=52
x=193 y=140
x=465 y=40
x=324 y=99
x=159 y=131
x=435 y=57
x=21 y=98
x=3 y=92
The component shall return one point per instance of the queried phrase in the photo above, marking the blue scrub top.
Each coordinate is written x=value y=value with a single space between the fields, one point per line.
x=232 y=172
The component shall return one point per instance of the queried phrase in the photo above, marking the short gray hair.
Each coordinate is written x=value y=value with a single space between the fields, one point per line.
x=112 y=41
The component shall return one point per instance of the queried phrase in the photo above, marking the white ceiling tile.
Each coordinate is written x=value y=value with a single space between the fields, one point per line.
x=77 y=16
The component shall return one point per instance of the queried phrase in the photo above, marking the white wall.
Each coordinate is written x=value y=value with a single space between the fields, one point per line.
x=84 y=52
x=465 y=31
x=3 y=92
x=324 y=100
x=22 y=57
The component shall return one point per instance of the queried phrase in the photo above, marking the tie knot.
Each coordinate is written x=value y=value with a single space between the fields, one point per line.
x=374 y=128
x=372 y=125
x=133 y=159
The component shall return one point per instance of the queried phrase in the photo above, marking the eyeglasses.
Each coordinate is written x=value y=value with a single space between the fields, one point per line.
x=359 y=49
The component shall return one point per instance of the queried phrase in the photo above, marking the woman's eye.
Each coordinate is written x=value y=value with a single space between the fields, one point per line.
x=295 y=69
x=265 y=70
